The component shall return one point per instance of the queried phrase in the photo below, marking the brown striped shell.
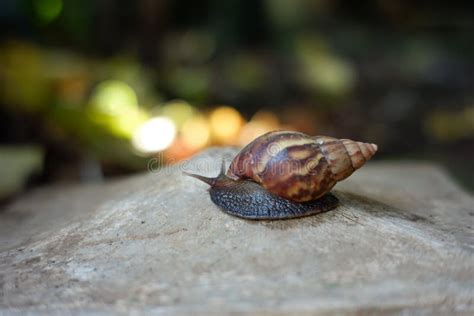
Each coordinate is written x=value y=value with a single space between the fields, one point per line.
x=299 y=167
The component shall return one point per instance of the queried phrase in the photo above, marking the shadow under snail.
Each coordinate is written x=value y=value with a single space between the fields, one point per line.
x=285 y=174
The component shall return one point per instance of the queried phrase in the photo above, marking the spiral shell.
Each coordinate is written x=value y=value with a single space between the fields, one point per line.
x=297 y=166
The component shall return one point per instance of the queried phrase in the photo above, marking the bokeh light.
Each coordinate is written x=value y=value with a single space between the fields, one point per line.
x=47 y=10
x=23 y=75
x=154 y=135
x=324 y=71
x=114 y=97
x=126 y=125
x=178 y=111
x=114 y=105
x=451 y=125
x=196 y=132
x=225 y=124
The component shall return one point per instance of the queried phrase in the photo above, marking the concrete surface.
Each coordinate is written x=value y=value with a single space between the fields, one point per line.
x=401 y=241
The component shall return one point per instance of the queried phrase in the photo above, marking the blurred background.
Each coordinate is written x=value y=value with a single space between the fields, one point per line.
x=93 y=89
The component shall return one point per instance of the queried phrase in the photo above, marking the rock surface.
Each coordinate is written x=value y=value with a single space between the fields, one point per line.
x=401 y=240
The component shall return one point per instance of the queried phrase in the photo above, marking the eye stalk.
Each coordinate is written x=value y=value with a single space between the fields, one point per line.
x=209 y=180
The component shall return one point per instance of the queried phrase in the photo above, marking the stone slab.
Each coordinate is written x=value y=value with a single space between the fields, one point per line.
x=401 y=241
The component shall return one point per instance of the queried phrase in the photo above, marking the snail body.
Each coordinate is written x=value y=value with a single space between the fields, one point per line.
x=286 y=174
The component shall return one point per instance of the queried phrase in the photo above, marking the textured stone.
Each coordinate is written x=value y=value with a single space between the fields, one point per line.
x=401 y=240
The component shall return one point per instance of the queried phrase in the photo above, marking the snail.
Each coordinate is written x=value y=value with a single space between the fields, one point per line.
x=285 y=174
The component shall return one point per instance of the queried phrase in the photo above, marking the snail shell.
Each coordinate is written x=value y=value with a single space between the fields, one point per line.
x=299 y=167
x=286 y=174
